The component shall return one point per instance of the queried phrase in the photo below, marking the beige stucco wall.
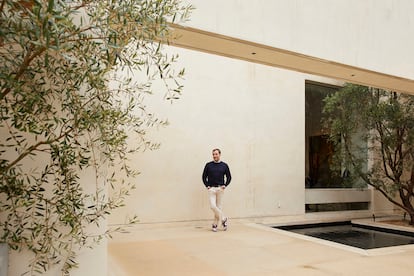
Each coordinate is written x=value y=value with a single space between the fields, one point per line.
x=370 y=34
x=254 y=113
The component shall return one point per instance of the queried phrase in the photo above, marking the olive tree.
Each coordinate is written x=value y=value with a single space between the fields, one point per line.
x=386 y=120
x=70 y=105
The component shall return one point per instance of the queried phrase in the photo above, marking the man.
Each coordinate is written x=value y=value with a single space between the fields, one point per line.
x=213 y=178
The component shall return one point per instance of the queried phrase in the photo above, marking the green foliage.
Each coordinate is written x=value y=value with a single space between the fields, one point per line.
x=386 y=121
x=70 y=106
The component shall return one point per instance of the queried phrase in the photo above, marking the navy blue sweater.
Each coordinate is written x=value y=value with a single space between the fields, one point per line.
x=213 y=174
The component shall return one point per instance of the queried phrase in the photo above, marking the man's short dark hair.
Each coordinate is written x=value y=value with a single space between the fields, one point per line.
x=219 y=151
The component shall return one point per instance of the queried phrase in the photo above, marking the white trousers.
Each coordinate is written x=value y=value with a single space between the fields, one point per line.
x=215 y=195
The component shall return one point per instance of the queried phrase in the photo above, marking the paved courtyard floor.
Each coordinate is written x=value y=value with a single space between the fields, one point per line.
x=245 y=249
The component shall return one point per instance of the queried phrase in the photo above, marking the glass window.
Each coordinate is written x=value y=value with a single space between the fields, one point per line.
x=321 y=172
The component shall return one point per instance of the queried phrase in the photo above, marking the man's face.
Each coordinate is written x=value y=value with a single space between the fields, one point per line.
x=216 y=156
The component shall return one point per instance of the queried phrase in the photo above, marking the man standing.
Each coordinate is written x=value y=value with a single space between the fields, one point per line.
x=213 y=178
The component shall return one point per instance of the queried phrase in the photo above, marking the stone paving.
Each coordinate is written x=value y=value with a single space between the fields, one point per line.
x=245 y=249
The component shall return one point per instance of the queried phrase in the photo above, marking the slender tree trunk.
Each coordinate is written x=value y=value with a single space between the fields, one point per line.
x=410 y=190
x=409 y=209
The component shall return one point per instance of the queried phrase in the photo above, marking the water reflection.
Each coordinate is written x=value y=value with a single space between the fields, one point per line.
x=355 y=236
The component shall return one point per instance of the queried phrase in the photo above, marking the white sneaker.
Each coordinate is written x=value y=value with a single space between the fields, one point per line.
x=224 y=224
x=214 y=227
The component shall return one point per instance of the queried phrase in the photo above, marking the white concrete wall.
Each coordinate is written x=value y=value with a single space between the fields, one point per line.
x=254 y=113
x=337 y=195
x=4 y=259
x=90 y=262
x=380 y=205
x=371 y=34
